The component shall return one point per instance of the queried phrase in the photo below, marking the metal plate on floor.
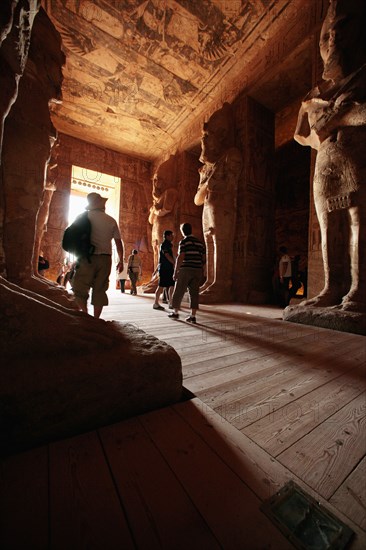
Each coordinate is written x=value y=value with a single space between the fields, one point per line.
x=304 y=521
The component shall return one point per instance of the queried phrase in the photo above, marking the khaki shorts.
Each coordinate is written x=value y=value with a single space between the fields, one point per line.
x=95 y=276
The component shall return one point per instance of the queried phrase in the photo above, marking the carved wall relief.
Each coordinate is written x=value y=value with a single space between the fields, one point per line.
x=141 y=73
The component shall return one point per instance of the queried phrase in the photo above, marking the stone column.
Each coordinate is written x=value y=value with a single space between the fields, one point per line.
x=28 y=139
x=254 y=237
x=15 y=32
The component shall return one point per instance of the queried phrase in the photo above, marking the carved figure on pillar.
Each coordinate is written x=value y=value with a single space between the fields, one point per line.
x=332 y=120
x=42 y=220
x=163 y=212
x=217 y=192
x=15 y=33
x=28 y=139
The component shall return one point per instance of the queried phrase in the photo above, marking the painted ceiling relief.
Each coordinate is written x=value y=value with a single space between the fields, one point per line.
x=139 y=71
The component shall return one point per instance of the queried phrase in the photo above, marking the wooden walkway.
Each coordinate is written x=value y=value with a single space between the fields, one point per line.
x=274 y=402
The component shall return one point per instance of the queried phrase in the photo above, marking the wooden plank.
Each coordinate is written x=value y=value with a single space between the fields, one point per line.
x=218 y=364
x=277 y=387
x=220 y=381
x=282 y=428
x=220 y=347
x=85 y=509
x=24 y=500
x=293 y=348
x=191 y=355
x=225 y=502
x=255 y=467
x=249 y=334
x=249 y=401
x=212 y=383
x=158 y=509
x=327 y=455
x=194 y=345
x=188 y=340
x=238 y=358
x=263 y=474
x=350 y=497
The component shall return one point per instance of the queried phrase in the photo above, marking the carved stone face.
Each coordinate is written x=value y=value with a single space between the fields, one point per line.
x=217 y=135
x=164 y=176
x=46 y=57
x=211 y=144
x=55 y=76
x=158 y=184
x=339 y=39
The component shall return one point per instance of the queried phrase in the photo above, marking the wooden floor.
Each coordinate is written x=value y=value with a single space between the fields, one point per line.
x=273 y=402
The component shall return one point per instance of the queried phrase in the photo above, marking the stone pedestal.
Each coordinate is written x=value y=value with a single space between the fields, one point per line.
x=327 y=317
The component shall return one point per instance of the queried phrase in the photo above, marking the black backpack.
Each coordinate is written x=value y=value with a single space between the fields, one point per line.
x=76 y=238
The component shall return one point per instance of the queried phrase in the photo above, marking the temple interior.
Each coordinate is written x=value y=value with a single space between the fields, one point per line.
x=116 y=97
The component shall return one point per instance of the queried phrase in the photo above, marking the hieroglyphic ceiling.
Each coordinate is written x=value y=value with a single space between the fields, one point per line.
x=141 y=75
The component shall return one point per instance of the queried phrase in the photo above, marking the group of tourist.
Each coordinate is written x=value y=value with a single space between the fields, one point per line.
x=175 y=275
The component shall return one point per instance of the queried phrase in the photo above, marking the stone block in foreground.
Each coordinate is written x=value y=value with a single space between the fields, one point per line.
x=45 y=397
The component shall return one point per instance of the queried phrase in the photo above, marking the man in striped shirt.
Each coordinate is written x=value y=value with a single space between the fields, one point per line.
x=189 y=269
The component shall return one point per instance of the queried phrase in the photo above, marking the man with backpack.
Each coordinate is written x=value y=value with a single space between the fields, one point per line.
x=94 y=266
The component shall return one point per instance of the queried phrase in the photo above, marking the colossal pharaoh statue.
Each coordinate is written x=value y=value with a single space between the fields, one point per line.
x=163 y=212
x=332 y=120
x=217 y=192
x=28 y=139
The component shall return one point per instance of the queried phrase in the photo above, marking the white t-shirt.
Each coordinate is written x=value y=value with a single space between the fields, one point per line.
x=285 y=259
x=104 y=229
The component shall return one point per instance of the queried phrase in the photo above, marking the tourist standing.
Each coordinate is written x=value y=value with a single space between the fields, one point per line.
x=189 y=270
x=165 y=268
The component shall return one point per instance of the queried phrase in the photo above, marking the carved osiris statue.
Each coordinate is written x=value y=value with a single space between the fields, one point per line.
x=217 y=192
x=332 y=120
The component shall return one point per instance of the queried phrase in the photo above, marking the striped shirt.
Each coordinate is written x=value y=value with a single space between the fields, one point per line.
x=194 y=252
